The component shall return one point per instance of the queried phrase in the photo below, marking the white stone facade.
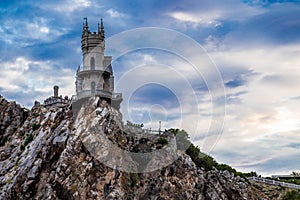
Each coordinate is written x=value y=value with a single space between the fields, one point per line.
x=95 y=76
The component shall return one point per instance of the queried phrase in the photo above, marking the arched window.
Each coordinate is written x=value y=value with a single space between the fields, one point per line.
x=92 y=63
x=93 y=87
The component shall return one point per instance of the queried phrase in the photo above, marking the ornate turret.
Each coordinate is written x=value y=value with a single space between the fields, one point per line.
x=95 y=76
x=101 y=30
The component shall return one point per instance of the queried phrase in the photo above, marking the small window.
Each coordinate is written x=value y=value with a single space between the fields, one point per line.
x=92 y=63
x=93 y=87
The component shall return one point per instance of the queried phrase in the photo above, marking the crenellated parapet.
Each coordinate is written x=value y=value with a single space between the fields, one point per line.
x=56 y=100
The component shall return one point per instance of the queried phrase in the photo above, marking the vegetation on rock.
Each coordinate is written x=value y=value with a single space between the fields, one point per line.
x=292 y=195
x=162 y=141
x=27 y=140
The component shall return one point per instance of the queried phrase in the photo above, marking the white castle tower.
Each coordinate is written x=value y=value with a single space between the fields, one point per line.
x=95 y=76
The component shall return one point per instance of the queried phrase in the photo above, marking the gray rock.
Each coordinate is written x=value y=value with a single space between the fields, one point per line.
x=60 y=140
x=35 y=170
x=226 y=174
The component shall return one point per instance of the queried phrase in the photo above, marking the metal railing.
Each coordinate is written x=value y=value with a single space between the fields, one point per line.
x=101 y=93
x=82 y=69
x=273 y=182
x=54 y=100
x=89 y=93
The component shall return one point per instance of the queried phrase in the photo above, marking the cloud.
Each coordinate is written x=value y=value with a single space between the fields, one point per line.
x=266 y=154
x=262 y=120
x=172 y=85
x=28 y=32
x=115 y=14
x=196 y=19
x=264 y=3
x=26 y=80
x=67 y=7
x=278 y=24
x=213 y=13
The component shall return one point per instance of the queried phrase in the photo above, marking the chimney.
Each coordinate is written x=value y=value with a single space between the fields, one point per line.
x=55 y=91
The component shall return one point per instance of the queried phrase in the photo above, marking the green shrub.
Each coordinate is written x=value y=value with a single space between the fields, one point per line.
x=27 y=140
x=201 y=159
x=162 y=141
x=250 y=174
x=39 y=153
x=240 y=174
x=292 y=195
x=294 y=181
x=133 y=179
x=22 y=147
x=223 y=167
x=35 y=126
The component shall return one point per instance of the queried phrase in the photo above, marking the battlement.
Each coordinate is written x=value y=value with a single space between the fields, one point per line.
x=92 y=39
x=55 y=100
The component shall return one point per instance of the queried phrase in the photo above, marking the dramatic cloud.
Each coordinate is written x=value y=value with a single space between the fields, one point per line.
x=263 y=119
x=30 y=80
x=255 y=46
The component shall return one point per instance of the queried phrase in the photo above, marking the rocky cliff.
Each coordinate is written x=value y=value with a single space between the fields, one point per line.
x=46 y=154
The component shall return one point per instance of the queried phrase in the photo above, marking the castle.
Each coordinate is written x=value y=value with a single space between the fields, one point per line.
x=95 y=76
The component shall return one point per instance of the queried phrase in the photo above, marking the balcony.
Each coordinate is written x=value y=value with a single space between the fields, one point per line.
x=101 y=93
x=81 y=71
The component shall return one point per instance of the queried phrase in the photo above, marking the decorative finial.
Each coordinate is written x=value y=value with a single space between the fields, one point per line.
x=86 y=26
x=99 y=30
x=102 y=29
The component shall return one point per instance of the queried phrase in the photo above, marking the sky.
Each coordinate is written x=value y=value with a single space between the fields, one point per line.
x=228 y=72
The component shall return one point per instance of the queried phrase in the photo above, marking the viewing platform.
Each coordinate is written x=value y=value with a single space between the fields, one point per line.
x=101 y=93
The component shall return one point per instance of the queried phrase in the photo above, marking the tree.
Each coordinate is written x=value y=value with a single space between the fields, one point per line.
x=201 y=159
x=295 y=173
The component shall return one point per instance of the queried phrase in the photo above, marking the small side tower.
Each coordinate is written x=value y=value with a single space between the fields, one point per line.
x=55 y=89
x=55 y=100
x=95 y=76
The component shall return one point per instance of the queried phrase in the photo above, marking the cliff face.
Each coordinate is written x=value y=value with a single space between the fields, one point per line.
x=47 y=155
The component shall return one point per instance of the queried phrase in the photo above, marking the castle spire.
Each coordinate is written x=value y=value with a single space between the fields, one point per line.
x=85 y=28
x=99 y=30
x=102 y=29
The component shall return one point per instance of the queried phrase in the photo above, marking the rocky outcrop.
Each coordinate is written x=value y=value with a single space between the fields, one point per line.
x=11 y=118
x=47 y=155
x=28 y=149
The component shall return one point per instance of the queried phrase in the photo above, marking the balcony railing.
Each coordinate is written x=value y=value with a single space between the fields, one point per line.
x=101 y=93
x=82 y=70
